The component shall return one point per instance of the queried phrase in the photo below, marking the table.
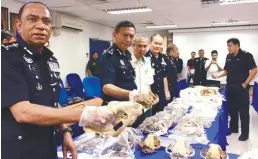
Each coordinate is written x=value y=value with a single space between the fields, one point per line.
x=181 y=84
x=255 y=96
x=216 y=134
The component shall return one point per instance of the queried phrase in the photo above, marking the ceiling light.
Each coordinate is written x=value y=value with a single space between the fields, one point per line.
x=232 y=22
x=226 y=2
x=160 y=26
x=128 y=10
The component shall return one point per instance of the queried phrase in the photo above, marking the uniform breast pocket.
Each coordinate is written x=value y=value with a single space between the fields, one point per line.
x=124 y=73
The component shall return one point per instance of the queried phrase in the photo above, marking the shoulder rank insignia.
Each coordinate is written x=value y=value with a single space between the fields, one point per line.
x=10 y=46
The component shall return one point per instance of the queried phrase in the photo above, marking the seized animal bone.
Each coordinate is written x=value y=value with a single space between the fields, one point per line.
x=126 y=112
x=214 y=152
x=208 y=92
x=180 y=149
x=148 y=100
x=150 y=144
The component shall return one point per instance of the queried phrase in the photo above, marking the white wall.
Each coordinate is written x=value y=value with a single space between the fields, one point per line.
x=216 y=40
x=70 y=48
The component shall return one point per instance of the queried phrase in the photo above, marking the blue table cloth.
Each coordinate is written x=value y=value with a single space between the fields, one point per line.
x=182 y=84
x=255 y=96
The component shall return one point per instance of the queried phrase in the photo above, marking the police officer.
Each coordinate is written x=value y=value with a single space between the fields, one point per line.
x=30 y=85
x=117 y=73
x=158 y=63
x=237 y=69
x=172 y=53
x=200 y=72
x=91 y=68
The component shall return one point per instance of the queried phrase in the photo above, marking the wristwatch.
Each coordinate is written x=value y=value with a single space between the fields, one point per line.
x=68 y=129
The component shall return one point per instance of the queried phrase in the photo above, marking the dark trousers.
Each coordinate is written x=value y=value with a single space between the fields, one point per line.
x=189 y=77
x=199 y=81
x=238 y=103
x=213 y=83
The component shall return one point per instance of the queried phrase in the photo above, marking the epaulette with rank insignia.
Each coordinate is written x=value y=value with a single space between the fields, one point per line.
x=10 y=46
x=109 y=52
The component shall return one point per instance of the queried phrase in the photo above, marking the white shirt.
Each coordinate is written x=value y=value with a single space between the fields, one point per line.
x=212 y=70
x=144 y=73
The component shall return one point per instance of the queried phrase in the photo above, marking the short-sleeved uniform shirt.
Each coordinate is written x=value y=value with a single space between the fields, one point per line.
x=200 y=67
x=92 y=66
x=116 y=69
x=160 y=66
x=27 y=76
x=238 y=67
x=191 y=65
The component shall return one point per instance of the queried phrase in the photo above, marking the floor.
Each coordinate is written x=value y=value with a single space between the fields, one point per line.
x=239 y=147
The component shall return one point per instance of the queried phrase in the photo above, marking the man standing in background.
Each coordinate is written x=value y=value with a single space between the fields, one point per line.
x=213 y=67
x=158 y=63
x=200 y=72
x=191 y=68
x=91 y=68
x=179 y=65
x=237 y=69
x=172 y=73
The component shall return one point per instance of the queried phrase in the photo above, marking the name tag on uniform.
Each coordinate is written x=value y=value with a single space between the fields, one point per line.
x=53 y=66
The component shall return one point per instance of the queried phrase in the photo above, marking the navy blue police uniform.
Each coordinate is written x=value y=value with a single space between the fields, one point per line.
x=238 y=68
x=172 y=76
x=28 y=76
x=160 y=66
x=200 y=72
x=116 y=69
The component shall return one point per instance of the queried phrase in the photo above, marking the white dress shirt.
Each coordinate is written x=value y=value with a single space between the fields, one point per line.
x=144 y=73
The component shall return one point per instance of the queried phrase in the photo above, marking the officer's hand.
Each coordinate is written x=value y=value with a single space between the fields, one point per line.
x=215 y=76
x=244 y=85
x=95 y=116
x=134 y=95
x=68 y=145
x=167 y=94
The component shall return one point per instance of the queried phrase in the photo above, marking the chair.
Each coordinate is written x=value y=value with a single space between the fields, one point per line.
x=75 y=83
x=92 y=87
x=63 y=98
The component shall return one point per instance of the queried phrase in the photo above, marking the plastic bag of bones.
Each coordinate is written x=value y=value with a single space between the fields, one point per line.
x=101 y=147
x=158 y=122
x=122 y=146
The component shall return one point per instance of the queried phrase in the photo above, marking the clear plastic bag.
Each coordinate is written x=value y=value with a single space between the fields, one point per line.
x=122 y=146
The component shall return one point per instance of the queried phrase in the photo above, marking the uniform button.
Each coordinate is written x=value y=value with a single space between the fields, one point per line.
x=54 y=133
x=158 y=78
x=51 y=75
x=158 y=84
x=54 y=89
x=124 y=72
x=37 y=77
x=55 y=104
x=19 y=137
x=158 y=91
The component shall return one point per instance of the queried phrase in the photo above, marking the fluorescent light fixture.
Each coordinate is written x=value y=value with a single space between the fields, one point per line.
x=226 y=2
x=128 y=10
x=232 y=22
x=160 y=26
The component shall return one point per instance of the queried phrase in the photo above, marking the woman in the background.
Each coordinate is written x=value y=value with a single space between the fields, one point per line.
x=91 y=68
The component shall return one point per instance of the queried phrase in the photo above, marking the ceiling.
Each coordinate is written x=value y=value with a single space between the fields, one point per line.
x=183 y=13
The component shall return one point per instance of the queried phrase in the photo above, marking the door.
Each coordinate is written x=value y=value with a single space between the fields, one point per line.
x=98 y=46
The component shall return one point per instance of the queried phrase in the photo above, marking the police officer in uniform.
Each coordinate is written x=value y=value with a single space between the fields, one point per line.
x=158 y=63
x=240 y=69
x=30 y=92
x=172 y=52
x=91 y=68
x=200 y=72
x=117 y=73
